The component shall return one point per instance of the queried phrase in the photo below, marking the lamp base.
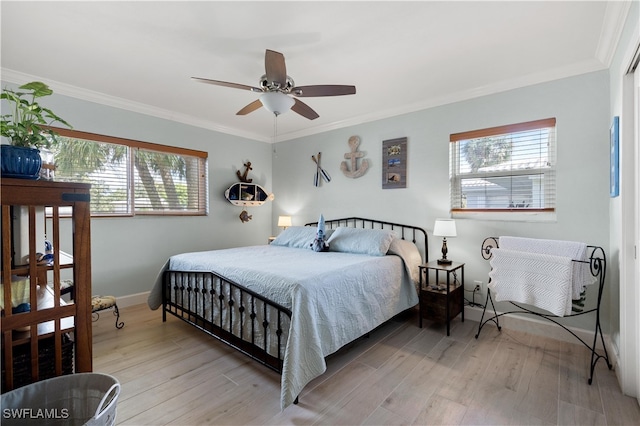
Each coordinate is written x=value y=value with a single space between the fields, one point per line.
x=444 y=260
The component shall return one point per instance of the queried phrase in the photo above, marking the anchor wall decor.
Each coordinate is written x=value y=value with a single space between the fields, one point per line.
x=354 y=171
x=243 y=176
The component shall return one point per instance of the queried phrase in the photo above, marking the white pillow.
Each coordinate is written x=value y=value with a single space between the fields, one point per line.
x=374 y=242
x=296 y=237
x=411 y=255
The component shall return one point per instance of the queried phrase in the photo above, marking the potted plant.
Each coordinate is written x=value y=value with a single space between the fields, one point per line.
x=25 y=127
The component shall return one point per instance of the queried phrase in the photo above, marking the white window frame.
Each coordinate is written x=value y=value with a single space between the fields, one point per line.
x=514 y=212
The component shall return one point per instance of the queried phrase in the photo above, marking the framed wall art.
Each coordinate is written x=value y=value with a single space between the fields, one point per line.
x=614 y=165
x=394 y=163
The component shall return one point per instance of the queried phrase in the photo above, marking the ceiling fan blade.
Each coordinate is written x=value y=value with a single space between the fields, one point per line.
x=323 y=90
x=275 y=67
x=304 y=110
x=227 y=84
x=250 y=108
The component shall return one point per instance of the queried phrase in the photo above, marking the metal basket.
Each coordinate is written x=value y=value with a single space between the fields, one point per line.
x=74 y=399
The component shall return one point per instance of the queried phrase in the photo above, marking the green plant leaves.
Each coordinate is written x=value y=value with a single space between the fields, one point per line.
x=37 y=88
x=23 y=126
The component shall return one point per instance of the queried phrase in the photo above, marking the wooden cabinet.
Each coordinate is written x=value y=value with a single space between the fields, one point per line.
x=49 y=337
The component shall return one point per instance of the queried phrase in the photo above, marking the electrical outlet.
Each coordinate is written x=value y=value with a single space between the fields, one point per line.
x=478 y=286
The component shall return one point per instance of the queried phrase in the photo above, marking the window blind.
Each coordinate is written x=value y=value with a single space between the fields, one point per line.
x=131 y=177
x=506 y=168
x=168 y=183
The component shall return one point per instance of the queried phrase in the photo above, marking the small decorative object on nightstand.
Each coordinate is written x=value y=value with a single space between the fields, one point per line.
x=441 y=302
x=444 y=228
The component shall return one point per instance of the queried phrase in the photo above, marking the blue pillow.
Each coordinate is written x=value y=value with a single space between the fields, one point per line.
x=373 y=242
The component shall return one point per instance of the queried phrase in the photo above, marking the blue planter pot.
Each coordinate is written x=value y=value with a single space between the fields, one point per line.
x=20 y=162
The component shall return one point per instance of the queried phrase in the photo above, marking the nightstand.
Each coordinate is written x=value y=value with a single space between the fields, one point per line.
x=441 y=301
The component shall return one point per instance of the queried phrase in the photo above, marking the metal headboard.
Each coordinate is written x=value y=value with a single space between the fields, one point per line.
x=411 y=233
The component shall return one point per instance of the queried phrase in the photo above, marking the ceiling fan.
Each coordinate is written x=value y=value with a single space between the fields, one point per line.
x=276 y=87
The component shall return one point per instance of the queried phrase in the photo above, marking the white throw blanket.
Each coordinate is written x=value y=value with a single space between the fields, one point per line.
x=540 y=280
x=581 y=277
x=548 y=274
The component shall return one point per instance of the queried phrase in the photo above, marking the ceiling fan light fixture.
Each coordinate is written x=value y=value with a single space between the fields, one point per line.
x=276 y=102
x=275 y=87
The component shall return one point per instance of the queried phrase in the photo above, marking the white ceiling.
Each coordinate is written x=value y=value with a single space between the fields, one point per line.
x=401 y=56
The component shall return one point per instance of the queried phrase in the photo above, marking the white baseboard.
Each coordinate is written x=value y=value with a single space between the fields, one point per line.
x=133 y=299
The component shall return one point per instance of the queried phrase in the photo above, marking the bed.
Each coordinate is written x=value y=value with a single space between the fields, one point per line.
x=287 y=306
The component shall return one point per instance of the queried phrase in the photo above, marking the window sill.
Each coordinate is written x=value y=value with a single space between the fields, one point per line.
x=506 y=216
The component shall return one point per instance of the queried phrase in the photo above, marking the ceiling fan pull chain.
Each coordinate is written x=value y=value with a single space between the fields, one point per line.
x=275 y=134
x=275 y=129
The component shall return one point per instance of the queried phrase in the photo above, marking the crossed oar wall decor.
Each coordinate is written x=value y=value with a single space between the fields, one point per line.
x=320 y=172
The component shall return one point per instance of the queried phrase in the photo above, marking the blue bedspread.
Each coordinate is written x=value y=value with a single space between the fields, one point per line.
x=334 y=297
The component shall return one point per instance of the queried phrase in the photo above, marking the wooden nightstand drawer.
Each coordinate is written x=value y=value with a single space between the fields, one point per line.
x=434 y=306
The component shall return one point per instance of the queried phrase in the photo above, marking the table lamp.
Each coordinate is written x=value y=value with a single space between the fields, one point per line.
x=444 y=228
x=284 y=222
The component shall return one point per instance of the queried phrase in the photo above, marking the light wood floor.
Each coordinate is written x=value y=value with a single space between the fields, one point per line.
x=173 y=374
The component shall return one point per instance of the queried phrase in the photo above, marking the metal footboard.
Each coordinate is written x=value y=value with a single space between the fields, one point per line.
x=229 y=312
x=244 y=319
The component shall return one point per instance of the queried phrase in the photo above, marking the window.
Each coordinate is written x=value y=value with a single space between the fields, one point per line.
x=133 y=178
x=504 y=169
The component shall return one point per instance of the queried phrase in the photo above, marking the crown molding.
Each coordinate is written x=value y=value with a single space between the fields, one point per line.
x=615 y=16
x=19 y=78
x=104 y=99
x=504 y=86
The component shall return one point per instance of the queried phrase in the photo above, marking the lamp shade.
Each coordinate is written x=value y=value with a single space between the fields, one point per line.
x=276 y=102
x=284 y=221
x=444 y=228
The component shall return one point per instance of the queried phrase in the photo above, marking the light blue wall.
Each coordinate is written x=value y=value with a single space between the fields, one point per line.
x=581 y=107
